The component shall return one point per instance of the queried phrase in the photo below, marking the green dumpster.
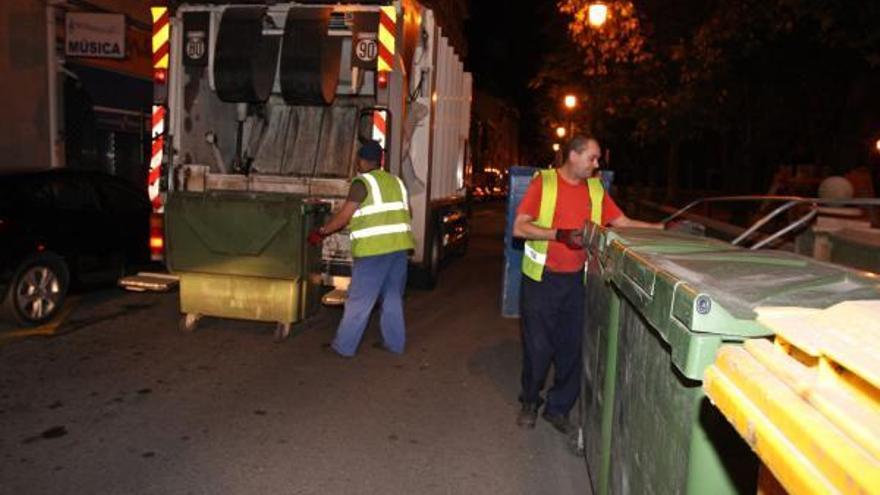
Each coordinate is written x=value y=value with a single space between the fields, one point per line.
x=659 y=306
x=244 y=255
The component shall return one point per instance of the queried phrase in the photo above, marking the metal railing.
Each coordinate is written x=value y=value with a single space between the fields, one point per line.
x=788 y=202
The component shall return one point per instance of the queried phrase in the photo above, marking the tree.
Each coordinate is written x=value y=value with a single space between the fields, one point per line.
x=773 y=81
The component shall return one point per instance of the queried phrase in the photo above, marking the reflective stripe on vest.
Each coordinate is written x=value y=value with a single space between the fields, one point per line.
x=382 y=223
x=536 y=251
x=380 y=230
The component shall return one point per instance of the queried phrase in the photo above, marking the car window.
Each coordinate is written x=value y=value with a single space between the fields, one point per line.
x=39 y=196
x=117 y=197
x=73 y=195
x=8 y=196
x=23 y=195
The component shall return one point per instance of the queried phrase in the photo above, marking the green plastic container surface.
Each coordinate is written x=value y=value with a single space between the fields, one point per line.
x=659 y=306
x=245 y=255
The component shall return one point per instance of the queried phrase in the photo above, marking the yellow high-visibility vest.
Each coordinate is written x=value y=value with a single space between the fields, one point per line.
x=382 y=222
x=536 y=251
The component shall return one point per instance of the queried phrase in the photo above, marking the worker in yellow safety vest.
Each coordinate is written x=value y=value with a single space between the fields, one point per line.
x=377 y=214
x=551 y=218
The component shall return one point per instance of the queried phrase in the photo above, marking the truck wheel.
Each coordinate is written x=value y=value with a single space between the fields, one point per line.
x=37 y=290
x=432 y=264
x=309 y=58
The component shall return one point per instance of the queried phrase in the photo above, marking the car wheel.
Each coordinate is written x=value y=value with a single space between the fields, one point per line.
x=37 y=290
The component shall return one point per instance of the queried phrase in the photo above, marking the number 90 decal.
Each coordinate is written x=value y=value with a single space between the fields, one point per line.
x=366 y=49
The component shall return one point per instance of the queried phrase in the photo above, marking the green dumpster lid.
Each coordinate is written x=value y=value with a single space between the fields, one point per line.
x=238 y=233
x=695 y=290
x=659 y=241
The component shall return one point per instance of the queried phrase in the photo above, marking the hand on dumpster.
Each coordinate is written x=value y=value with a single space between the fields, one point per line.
x=316 y=237
x=572 y=238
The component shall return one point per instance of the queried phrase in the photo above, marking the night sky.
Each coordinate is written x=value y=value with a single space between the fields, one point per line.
x=506 y=43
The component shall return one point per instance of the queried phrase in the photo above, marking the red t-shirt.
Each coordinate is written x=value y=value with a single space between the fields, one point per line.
x=573 y=211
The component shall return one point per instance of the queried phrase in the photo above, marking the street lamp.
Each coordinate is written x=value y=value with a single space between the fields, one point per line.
x=878 y=145
x=597 y=14
x=555 y=146
x=560 y=132
x=570 y=102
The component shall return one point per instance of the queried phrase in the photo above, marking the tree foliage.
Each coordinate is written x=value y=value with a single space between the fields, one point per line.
x=774 y=77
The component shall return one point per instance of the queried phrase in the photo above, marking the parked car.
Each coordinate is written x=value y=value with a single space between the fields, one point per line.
x=65 y=227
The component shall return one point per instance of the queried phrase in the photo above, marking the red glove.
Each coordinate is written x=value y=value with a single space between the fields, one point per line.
x=572 y=238
x=316 y=237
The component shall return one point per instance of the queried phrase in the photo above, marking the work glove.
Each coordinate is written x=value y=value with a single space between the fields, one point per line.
x=572 y=238
x=316 y=237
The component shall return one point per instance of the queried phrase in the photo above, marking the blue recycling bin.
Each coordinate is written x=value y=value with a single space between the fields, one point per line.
x=513 y=248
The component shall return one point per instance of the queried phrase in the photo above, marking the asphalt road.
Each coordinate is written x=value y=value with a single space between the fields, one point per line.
x=117 y=400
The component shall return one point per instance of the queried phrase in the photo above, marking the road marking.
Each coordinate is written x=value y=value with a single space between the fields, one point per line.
x=46 y=329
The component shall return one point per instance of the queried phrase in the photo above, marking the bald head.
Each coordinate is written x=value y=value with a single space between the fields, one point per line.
x=582 y=157
x=578 y=144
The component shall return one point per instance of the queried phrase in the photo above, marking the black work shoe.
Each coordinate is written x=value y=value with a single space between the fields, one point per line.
x=527 y=416
x=328 y=349
x=558 y=421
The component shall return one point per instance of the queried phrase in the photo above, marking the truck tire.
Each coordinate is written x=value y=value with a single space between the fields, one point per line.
x=427 y=275
x=434 y=259
x=37 y=290
x=244 y=60
x=310 y=59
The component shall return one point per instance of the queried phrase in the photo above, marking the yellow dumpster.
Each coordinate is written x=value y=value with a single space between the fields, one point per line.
x=808 y=403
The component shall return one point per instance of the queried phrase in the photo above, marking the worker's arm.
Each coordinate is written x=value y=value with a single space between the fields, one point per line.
x=625 y=221
x=340 y=218
x=524 y=228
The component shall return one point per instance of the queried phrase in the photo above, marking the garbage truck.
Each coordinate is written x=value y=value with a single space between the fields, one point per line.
x=273 y=98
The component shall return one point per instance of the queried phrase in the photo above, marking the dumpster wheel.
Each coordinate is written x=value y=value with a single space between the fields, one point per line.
x=189 y=322
x=282 y=331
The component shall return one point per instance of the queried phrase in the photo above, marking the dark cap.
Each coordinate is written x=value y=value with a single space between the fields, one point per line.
x=371 y=151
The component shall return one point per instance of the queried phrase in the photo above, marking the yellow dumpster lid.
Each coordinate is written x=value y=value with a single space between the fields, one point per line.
x=847 y=334
x=809 y=402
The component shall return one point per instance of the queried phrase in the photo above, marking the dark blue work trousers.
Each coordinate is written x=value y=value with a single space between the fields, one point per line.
x=552 y=319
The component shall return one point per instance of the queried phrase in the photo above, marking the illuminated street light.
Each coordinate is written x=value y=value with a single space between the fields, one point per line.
x=878 y=145
x=570 y=101
x=597 y=14
x=555 y=146
x=560 y=132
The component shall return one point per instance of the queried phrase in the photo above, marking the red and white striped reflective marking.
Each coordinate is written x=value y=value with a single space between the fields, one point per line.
x=161 y=45
x=379 y=126
x=387 y=35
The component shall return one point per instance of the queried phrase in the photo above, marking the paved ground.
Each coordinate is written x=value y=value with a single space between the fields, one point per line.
x=117 y=400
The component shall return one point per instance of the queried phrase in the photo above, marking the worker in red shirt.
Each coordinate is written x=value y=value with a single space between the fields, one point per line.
x=552 y=217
